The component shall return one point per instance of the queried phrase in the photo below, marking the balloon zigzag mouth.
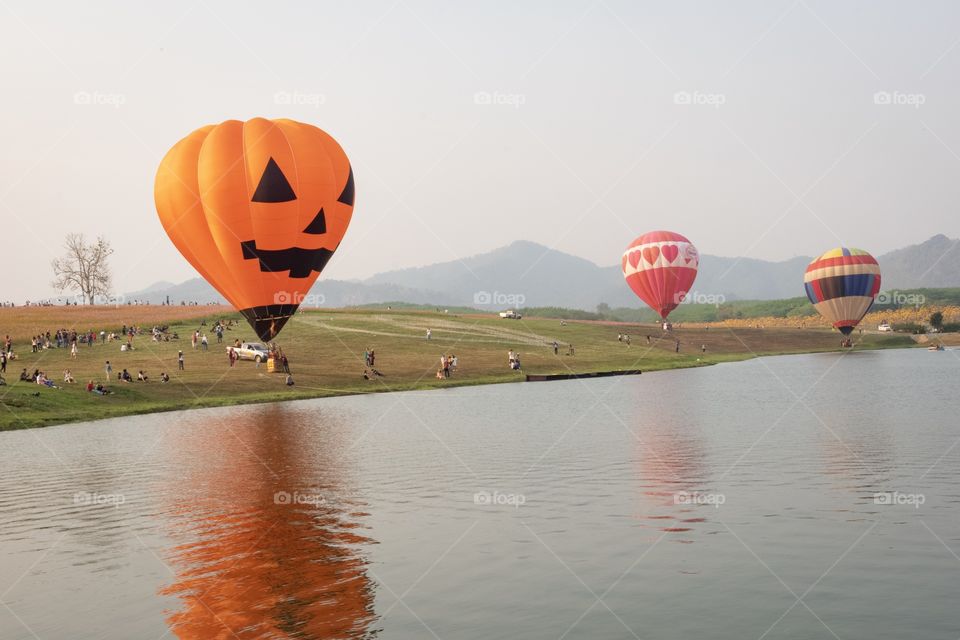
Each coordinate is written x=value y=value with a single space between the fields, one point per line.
x=298 y=261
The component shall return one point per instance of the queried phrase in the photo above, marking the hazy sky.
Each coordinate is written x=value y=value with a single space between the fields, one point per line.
x=471 y=125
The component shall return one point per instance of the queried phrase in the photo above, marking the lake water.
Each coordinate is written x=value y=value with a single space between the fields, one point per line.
x=793 y=497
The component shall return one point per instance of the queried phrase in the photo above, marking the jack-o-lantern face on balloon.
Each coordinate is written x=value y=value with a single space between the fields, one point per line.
x=258 y=208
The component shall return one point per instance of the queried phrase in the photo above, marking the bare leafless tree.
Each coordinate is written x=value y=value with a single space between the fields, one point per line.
x=83 y=267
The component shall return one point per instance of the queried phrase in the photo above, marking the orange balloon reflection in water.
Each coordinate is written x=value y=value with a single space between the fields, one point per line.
x=271 y=536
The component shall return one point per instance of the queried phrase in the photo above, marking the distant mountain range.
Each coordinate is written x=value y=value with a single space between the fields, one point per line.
x=526 y=274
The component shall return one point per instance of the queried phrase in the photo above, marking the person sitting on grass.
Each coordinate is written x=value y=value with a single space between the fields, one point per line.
x=68 y=377
x=90 y=386
x=101 y=390
x=2 y=381
x=289 y=381
x=42 y=379
x=164 y=377
x=125 y=376
x=24 y=376
x=141 y=376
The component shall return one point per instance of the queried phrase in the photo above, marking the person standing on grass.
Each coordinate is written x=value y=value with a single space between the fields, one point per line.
x=429 y=334
x=3 y=362
x=180 y=360
x=203 y=342
x=108 y=369
x=73 y=350
x=676 y=346
x=556 y=348
x=231 y=356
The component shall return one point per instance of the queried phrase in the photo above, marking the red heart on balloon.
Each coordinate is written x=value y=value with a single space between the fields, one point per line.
x=633 y=258
x=670 y=252
x=650 y=254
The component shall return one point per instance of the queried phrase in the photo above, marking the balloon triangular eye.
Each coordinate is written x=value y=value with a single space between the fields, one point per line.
x=318 y=225
x=273 y=185
x=347 y=196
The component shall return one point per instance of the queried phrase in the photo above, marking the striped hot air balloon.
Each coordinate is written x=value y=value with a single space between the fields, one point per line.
x=842 y=284
x=660 y=267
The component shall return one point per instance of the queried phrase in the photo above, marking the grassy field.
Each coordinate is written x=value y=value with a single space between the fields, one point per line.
x=326 y=348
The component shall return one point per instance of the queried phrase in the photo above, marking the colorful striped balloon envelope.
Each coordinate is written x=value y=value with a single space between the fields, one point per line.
x=842 y=284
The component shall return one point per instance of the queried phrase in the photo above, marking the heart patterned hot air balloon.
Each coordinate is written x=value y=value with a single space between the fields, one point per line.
x=660 y=267
x=842 y=284
x=258 y=208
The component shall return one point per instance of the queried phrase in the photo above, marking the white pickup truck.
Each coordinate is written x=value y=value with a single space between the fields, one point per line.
x=255 y=351
x=511 y=314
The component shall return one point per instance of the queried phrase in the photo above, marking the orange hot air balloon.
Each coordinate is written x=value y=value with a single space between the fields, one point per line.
x=258 y=208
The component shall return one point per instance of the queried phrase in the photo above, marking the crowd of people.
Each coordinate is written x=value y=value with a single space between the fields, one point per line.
x=448 y=366
x=76 y=342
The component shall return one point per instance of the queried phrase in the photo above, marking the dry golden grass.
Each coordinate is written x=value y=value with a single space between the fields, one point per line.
x=23 y=322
